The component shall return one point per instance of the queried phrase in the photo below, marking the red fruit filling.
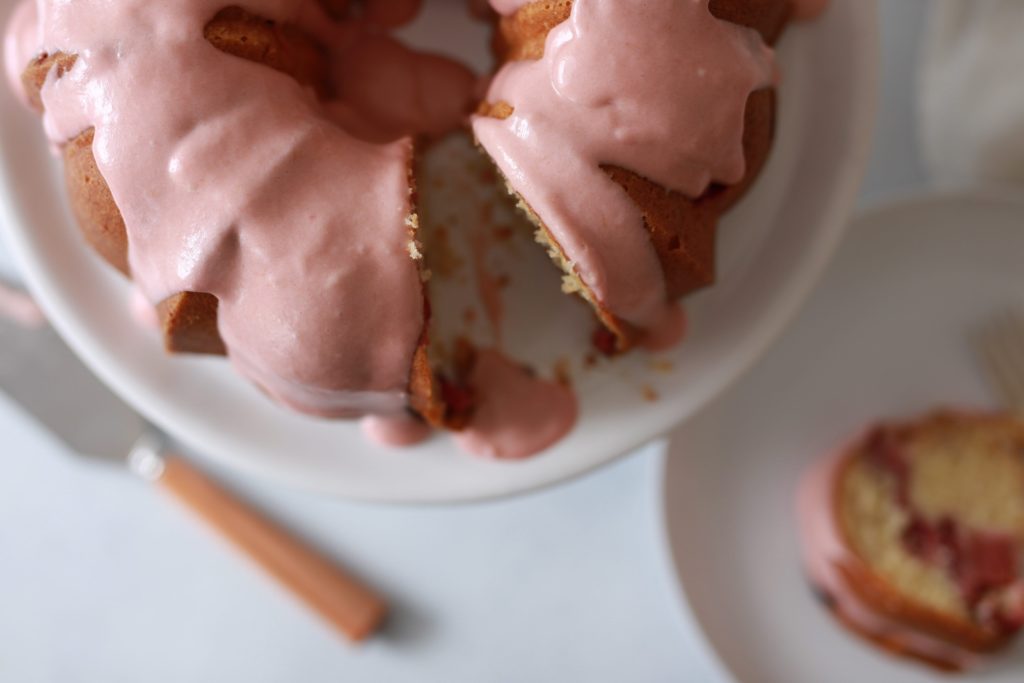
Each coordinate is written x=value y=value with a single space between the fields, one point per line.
x=985 y=566
x=459 y=400
x=605 y=342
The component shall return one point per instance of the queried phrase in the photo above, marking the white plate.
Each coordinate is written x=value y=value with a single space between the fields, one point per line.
x=801 y=204
x=883 y=335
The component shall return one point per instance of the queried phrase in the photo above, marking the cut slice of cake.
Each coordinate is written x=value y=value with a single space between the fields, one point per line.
x=914 y=535
x=626 y=183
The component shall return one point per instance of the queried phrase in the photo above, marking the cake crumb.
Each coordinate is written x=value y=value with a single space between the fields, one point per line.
x=570 y=285
x=650 y=395
x=440 y=353
x=662 y=365
x=412 y=221
x=563 y=371
x=441 y=255
x=415 y=252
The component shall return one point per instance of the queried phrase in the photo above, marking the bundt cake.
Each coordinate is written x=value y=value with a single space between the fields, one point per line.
x=914 y=535
x=246 y=217
x=626 y=175
x=250 y=167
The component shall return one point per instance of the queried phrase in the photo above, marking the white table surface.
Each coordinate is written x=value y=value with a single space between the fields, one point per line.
x=103 y=580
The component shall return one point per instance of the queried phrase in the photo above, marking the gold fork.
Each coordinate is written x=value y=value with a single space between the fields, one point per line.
x=999 y=345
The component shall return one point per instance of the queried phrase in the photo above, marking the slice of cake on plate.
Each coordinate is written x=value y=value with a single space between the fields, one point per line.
x=914 y=535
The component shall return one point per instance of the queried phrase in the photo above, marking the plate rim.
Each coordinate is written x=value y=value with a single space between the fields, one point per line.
x=714 y=411
x=795 y=294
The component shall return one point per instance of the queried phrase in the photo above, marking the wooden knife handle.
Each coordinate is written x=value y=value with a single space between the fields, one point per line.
x=349 y=605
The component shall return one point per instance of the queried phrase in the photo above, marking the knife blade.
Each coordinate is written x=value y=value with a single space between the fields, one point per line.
x=42 y=375
x=49 y=383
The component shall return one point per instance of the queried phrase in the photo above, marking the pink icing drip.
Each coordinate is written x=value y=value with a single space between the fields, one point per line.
x=395 y=431
x=517 y=414
x=508 y=7
x=669 y=104
x=144 y=312
x=247 y=190
x=824 y=550
x=387 y=90
x=669 y=333
x=806 y=10
x=20 y=308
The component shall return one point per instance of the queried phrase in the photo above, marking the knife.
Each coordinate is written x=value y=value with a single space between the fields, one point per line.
x=41 y=374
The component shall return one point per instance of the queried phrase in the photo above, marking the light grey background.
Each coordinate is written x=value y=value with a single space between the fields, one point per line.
x=103 y=580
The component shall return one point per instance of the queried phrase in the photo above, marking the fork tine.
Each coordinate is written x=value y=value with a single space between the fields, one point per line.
x=996 y=373
x=999 y=345
x=1013 y=349
x=988 y=347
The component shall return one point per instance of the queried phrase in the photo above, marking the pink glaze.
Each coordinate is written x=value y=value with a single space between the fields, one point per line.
x=143 y=312
x=20 y=308
x=233 y=180
x=386 y=91
x=21 y=41
x=395 y=431
x=507 y=7
x=659 y=87
x=669 y=333
x=517 y=414
x=825 y=550
x=805 y=10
